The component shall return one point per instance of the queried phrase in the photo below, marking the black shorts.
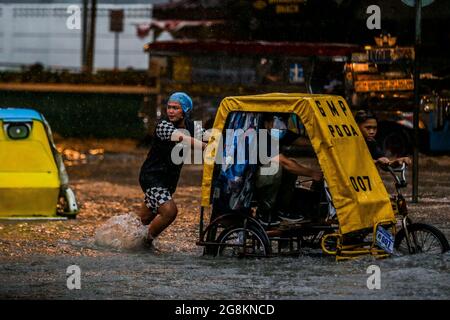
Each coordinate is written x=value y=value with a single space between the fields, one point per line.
x=155 y=197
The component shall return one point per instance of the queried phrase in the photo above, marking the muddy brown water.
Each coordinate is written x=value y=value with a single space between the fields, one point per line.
x=34 y=256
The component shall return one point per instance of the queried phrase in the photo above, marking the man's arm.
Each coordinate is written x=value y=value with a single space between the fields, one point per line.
x=382 y=161
x=297 y=169
x=400 y=161
x=394 y=163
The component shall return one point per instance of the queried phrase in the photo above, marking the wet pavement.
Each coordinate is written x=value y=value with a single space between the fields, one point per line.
x=34 y=256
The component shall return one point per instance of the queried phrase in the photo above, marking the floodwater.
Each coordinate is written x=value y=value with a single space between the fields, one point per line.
x=182 y=275
x=34 y=256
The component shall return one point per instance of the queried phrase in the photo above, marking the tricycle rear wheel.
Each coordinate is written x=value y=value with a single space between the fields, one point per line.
x=240 y=242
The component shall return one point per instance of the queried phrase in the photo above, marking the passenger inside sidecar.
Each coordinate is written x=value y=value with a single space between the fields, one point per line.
x=277 y=195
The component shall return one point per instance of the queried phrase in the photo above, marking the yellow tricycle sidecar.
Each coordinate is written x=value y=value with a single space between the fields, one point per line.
x=33 y=179
x=358 y=193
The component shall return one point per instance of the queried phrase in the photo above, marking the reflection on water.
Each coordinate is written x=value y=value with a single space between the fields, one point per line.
x=188 y=275
x=73 y=157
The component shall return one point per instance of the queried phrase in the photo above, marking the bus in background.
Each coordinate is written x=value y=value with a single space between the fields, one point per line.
x=380 y=78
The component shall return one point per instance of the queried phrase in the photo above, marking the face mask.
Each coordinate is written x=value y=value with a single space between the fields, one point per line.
x=279 y=128
x=277 y=134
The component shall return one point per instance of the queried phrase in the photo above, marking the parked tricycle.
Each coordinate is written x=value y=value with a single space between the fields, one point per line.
x=33 y=180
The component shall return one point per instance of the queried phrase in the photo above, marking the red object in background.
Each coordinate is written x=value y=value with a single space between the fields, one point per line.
x=254 y=47
x=142 y=30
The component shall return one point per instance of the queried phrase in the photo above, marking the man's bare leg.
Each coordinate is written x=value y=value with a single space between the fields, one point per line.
x=166 y=215
x=145 y=214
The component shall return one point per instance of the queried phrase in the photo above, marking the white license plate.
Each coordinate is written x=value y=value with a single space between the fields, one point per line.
x=385 y=240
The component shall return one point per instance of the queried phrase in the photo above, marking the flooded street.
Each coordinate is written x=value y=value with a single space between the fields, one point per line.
x=34 y=255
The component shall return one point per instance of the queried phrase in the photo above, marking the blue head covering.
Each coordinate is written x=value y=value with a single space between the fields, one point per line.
x=184 y=100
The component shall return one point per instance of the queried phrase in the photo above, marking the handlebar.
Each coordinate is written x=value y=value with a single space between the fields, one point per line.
x=399 y=174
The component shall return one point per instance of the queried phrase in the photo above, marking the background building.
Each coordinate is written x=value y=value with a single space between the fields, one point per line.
x=36 y=32
x=325 y=21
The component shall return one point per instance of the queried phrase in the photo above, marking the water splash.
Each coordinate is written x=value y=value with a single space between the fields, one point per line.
x=122 y=232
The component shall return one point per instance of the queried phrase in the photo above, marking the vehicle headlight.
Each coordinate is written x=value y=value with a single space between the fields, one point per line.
x=18 y=131
x=427 y=104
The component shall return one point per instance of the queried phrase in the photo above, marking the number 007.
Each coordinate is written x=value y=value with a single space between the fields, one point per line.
x=361 y=183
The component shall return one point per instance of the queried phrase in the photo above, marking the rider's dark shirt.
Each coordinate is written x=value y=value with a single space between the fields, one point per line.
x=158 y=170
x=375 y=149
x=288 y=140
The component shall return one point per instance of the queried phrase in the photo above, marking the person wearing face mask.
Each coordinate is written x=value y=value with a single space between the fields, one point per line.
x=159 y=174
x=278 y=188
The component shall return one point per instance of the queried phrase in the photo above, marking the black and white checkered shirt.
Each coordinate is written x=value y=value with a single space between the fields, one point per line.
x=164 y=130
x=158 y=170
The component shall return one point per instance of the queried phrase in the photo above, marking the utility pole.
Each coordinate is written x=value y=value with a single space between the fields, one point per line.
x=91 y=38
x=116 y=51
x=417 y=4
x=418 y=41
x=84 y=35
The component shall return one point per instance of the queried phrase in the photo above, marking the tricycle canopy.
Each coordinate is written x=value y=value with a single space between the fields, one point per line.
x=357 y=191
